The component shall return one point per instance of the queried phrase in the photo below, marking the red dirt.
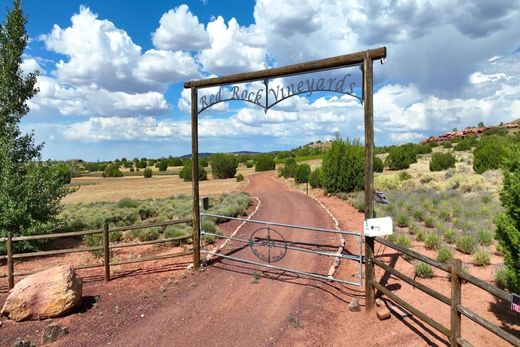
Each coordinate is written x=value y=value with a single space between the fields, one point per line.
x=161 y=304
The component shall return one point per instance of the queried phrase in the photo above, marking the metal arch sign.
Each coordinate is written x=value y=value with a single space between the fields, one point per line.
x=268 y=96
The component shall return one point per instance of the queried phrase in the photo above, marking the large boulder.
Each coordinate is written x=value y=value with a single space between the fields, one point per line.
x=45 y=294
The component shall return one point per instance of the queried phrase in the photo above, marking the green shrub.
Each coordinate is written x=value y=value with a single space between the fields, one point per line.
x=63 y=172
x=442 y=161
x=489 y=154
x=302 y=173
x=401 y=157
x=432 y=241
x=429 y=222
x=508 y=222
x=249 y=164
x=402 y=240
x=186 y=173
x=147 y=173
x=115 y=236
x=173 y=231
x=418 y=215
x=466 y=244
x=315 y=178
x=506 y=278
x=423 y=270
x=127 y=203
x=465 y=144
x=481 y=258
x=94 y=240
x=174 y=162
x=163 y=165
x=386 y=182
x=402 y=221
x=445 y=255
x=420 y=235
x=264 y=162
x=413 y=228
x=149 y=234
x=404 y=175
x=378 y=164
x=112 y=170
x=224 y=165
x=240 y=178
x=449 y=236
x=423 y=149
x=447 y=144
x=343 y=167
x=485 y=237
x=289 y=167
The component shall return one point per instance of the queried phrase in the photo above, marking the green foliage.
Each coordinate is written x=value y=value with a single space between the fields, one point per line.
x=264 y=162
x=465 y=144
x=112 y=170
x=127 y=203
x=420 y=235
x=174 y=162
x=485 y=237
x=481 y=258
x=163 y=165
x=449 y=236
x=224 y=165
x=30 y=191
x=429 y=222
x=302 y=173
x=63 y=172
x=315 y=178
x=442 y=161
x=402 y=240
x=240 y=178
x=289 y=167
x=147 y=173
x=466 y=244
x=404 y=175
x=432 y=241
x=378 y=164
x=508 y=222
x=186 y=173
x=506 y=278
x=445 y=255
x=343 y=167
x=490 y=153
x=249 y=164
x=178 y=230
x=423 y=270
x=447 y=144
x=401 y=157
x=402 y=221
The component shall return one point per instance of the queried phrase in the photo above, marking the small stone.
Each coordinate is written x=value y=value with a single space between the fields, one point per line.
x=52 y=332
x=378 y=302
x=383 y=313
x=142 y=315
x=1 y=323
x=354 y=305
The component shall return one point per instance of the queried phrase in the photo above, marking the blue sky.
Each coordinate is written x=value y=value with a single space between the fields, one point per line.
x=111 y=72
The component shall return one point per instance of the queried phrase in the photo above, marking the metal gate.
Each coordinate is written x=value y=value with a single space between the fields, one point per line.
x=268 y=243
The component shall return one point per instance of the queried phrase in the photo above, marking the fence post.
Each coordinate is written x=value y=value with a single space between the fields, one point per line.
x=456 y=267
x=106 y=252
x=10 y=264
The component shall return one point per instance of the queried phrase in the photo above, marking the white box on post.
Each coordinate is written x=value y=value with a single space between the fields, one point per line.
x=378 y=227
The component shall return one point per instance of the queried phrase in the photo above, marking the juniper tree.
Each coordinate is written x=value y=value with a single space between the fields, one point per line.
x=30 y=191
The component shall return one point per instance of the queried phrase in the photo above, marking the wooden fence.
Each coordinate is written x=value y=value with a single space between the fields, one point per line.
x=457 y=308
x=105 y=248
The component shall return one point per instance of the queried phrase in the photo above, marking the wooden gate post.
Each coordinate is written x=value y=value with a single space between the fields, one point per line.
x=369 y=177
x=106 y=251
x=456 y=267
x=10 y=264
x=195 y=177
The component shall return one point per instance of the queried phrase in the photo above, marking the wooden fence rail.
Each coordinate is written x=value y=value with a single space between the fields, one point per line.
x=105 y=247
x=455 y=302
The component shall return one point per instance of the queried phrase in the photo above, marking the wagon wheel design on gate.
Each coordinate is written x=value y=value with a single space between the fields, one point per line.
x=268 y=245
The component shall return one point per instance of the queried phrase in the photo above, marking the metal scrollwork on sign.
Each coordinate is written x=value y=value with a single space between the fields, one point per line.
x=267 y=96
x=268 y=245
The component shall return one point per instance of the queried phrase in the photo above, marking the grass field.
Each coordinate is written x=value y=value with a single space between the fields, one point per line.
x=96 y=189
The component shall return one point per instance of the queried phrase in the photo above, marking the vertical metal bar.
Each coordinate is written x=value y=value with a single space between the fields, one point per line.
x=195 y=177
x=10 y=264
x=360 y=260
x=369 y=177
x=106 y=252
x=455 y=301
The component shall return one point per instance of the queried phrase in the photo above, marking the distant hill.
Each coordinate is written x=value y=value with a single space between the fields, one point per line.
x=206 y=154
x=471 y=131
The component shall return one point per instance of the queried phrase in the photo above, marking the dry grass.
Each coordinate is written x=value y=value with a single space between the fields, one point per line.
x=95 y=189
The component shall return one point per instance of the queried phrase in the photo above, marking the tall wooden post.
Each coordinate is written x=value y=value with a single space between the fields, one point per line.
x=195 y=177
x=456 y=267
x=10 y=264
x=369 y=177
x=106 y=252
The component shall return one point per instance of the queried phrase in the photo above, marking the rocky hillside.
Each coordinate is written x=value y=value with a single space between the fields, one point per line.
x=452 y=135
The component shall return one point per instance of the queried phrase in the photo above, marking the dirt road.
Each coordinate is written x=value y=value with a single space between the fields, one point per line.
x=227 y=305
